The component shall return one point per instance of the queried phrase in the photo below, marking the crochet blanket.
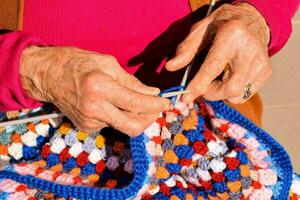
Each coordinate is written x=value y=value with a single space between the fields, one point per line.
x=201 y=151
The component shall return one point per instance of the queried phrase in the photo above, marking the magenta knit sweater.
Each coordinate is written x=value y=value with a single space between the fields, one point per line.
x=135 y=32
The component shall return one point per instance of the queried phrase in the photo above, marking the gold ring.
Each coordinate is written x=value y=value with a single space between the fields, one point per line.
x=247 y=91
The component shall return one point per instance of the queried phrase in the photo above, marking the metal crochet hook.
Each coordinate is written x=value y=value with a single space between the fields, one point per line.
x=56 y=115
x=189 y=67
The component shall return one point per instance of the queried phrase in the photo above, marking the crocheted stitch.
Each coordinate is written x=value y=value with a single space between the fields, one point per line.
x=206 y=151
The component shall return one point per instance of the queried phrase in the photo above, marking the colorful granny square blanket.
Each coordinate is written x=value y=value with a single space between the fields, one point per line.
x=201 y=151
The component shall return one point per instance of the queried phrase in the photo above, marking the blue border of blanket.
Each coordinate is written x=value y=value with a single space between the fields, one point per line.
x=279 y=155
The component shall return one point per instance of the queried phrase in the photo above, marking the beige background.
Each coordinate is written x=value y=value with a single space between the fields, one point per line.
x=281 y=96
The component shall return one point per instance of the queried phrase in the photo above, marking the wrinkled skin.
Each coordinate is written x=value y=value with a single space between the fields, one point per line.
x=91 y=89
x=239 y=37
x=94 y=91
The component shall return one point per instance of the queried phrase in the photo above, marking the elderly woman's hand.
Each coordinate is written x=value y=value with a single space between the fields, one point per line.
x=91 y=89
x=239 y=37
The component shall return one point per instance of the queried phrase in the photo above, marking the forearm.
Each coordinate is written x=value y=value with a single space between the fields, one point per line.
x=12 y=95
x=278 y=15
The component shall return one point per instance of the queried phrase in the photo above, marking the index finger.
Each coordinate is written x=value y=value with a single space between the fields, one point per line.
x=218 y=56
x=133 y=101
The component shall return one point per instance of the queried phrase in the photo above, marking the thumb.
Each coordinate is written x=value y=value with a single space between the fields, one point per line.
x=189 y=47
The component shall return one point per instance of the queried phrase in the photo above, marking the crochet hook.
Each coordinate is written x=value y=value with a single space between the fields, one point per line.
x=188 y=68
x=56 y=115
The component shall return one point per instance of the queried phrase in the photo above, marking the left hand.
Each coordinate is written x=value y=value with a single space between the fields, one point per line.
x=239 y=36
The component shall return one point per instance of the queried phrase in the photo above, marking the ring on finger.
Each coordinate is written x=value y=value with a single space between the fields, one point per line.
x=247 y=91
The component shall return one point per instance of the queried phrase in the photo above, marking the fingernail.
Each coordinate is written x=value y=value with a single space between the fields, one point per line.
x=156 y=91
x=188 y=99
x=167 y=105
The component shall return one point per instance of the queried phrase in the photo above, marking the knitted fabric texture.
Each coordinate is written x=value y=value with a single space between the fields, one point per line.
x=201 y=151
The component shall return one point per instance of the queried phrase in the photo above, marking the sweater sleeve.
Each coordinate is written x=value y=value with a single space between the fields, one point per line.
x=12 y=95
x=278 y=15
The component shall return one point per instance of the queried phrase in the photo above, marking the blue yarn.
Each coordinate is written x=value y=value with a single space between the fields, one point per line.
x=52 y=160
x=240 y=145
x=4 y=195
x=40 y=141
x=200 y=122
x=51 y=131
x=232 y=175
x=28 y=152
x=88 y=169
x=70 y=164
x=194 y=135
x=160 y=196
x=175 y=127
x=220 y=186
x=178 y=192
x=279 y=157
x=124 y=179
x=2 y=115
x=202 y=193
x=211 y=192
x=184 y=151
x=242 y=157
x=188 y=190
x=172 y=89
x=173 y=167
x=106 y=174
x=231 y=142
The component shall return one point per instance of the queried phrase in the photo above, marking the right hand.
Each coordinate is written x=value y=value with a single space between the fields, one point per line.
x=91 y=89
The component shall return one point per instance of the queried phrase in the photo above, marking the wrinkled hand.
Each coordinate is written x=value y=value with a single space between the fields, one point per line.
x=239 y=37
x=91 y=89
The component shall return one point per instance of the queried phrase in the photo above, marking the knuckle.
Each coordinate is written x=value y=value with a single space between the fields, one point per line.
x=214 y=68
x=234 y=90
x=134 y=103
x=182 y=47
x=237 y=28
x=89 y=81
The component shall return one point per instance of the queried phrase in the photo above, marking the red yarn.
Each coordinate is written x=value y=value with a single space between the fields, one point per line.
x=21 y=187
x=180 y=185
x=64 y=155
x=256 y=185
x=45 y=151
x=237 y=148
x=257 y=168
x=163 y=188
x=185 y=162
x=232 y=163
x=176 y=111
x=200 y=148
x=157 y=139
x=77 y=179
x=38 y=171
x=82 y=159
x=192 y=187
x=55 y=175
x=223 y=128
x=100 y=166
x=218 y=177
x=206 y=184
x=208 y=135
x=162 y=121
x=147 y=196
x=31 y=198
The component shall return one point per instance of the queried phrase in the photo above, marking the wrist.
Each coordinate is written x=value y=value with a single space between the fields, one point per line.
x=34 y=72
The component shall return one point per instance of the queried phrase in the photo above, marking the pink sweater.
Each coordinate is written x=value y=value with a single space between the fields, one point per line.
x=135 y=32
